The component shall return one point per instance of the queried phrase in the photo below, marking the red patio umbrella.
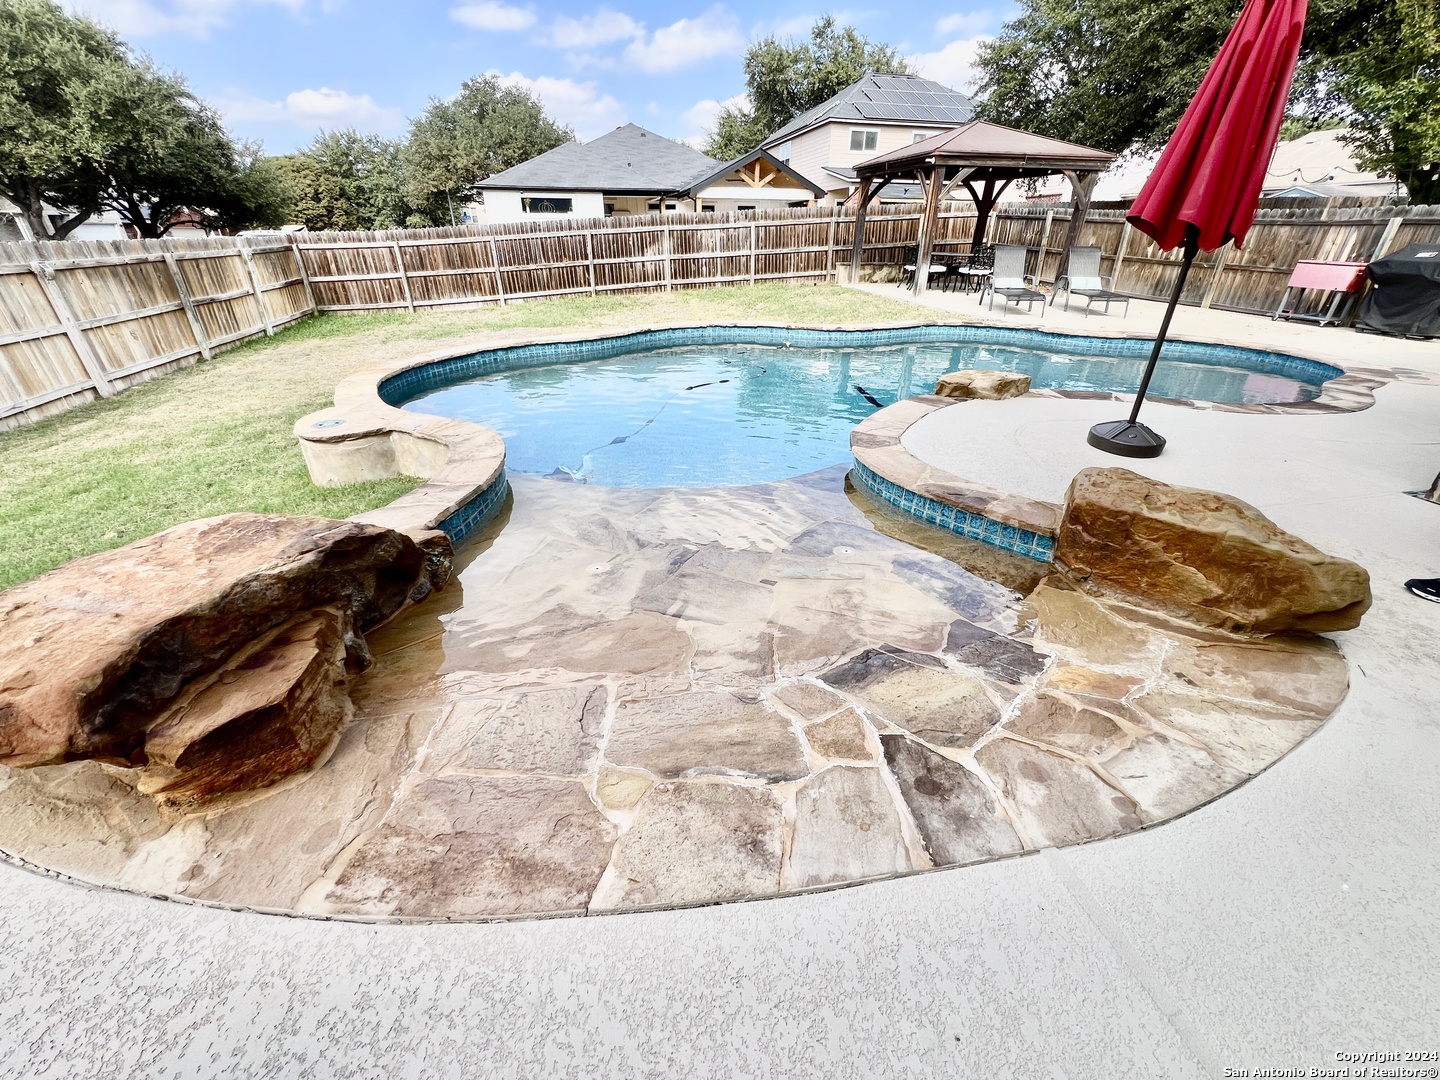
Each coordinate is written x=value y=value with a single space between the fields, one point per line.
x=1205 y=187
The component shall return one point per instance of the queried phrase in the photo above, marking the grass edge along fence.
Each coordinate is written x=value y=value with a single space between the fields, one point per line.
x=81 y=319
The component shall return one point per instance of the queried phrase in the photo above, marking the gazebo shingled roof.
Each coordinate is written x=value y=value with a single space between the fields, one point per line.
x=986 y=158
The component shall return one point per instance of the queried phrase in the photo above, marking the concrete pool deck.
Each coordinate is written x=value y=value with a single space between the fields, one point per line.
x=1291 y=921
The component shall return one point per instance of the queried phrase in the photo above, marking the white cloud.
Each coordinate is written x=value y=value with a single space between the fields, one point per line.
x=577 y=104
x=589 y=31
x=953 y=65
x=687 y=42
x=965 y=24
x=323 y=108
x=493 y=15
x=699 y=119
x=144 y=18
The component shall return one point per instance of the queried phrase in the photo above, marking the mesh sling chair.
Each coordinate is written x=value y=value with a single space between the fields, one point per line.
x=1083 y=279
x=1008 y=278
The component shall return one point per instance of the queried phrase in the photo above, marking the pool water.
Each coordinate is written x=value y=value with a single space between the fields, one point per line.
x=717 y=415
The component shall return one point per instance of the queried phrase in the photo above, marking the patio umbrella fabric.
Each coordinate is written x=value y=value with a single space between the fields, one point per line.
x=1212 y=170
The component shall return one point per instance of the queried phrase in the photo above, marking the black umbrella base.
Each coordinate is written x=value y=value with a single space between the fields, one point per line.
x=1126 y=439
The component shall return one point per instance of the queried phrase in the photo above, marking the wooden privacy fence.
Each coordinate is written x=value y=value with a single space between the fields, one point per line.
x=440 y=268
x=85 y=319
x=81 y=319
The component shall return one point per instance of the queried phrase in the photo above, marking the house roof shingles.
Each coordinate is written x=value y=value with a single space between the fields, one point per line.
x=894 y=99
x=628 y=160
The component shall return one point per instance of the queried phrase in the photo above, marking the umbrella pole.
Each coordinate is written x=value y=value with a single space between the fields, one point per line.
x=1130 y=438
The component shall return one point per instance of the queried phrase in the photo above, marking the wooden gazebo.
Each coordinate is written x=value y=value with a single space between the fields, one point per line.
x=986 y=158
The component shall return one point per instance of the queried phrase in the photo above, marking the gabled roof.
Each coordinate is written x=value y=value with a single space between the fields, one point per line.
x=628 y=160
x=891 y=99
x=700 y=183
x=982 y=143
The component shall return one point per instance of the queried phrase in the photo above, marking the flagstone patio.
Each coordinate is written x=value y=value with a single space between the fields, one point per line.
x=634 y=699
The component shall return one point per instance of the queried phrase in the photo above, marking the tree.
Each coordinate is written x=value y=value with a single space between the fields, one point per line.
x=178 y=160
x=1118 y=74
x=371 y=174
x=456 y=144
x=1114 y=74
x=1376 y=67
x=317 y=198
x=787 y=78
x=58 y=78
x=86 y=126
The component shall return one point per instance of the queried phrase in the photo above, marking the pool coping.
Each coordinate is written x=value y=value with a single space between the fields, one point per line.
x=364 y=437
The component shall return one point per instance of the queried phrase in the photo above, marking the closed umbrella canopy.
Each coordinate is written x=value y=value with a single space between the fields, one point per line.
x=1212 y=169
x=1206 y=185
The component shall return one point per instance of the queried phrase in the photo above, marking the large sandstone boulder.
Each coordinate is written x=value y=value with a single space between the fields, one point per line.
x=979 y=383
x=272 y=710
x=94 y=652
x=1201 y=556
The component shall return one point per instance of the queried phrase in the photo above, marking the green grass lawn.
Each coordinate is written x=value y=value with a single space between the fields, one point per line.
x=215 y=437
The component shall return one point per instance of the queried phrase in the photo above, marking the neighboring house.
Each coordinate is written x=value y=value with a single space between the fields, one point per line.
x=1314 y=166
x=875 y=115
x=634 y=171
x=1319 y=161
x=14 y=225
x=106 y=225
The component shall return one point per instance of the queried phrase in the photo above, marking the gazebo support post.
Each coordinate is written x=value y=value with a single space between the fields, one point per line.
x=984 y=201
x=857 y=246
x=928 y=221
x=1083 y=186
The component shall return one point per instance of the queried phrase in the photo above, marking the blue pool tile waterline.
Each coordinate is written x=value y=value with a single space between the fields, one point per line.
x=725 y=405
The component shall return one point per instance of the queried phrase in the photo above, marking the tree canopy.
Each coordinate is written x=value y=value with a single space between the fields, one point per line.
x=485 y=129
x=347 y=180
x=86 y=126
x=1117 y=74
x=787 y=78
x=58 y=77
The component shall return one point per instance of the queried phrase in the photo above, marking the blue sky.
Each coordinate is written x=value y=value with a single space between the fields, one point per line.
x=280 y=70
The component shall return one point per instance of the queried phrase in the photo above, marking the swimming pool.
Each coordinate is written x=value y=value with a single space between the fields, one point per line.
x=721 y=406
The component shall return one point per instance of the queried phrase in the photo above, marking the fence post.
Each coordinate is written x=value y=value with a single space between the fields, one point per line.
x=259 y=294
x=404 y=277
x=1387 y=238
x=752 y=253
x=590 y=258
x=665 y=242
x=1125 y=231
x=495 y=262
x=66 y=318
x=1045 y=244
x=304 y=275
x=1215 y=277
x=830 y=245
x=196 y=326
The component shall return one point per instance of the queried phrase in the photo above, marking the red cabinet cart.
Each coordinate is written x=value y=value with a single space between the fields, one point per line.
x=1344 y=280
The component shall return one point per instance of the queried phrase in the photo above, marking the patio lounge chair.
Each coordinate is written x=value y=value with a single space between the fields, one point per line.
x=1083 y=279
x=912 y=256
x=1010 y=280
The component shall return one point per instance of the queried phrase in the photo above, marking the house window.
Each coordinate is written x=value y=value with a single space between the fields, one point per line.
x=919 y=136
x=707 y=208
x=655 y=206
x=861 y=139
x=546 y=204
x=782 y=152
